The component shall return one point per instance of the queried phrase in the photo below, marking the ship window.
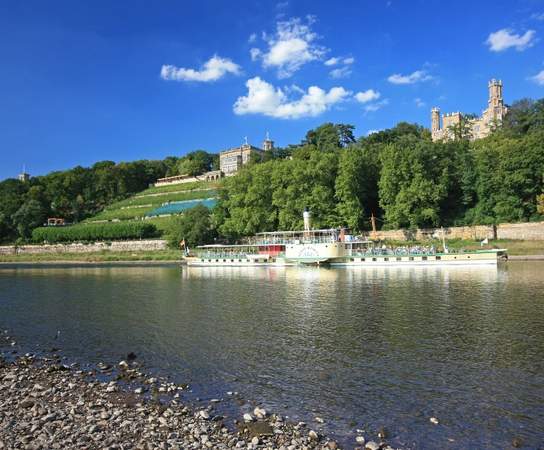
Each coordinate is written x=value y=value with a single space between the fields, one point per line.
x=411 y=258
x=386 y=259
x=216 y=260
x=424 y=258
x=239 y=260
x=374 y=259
x=232 y=260
x=351 y=259
x=468 y=257
x=399 y=258
x=247 y=260
x=362 y=259
x=201 y=260
x=438 y=258
x=273 y=259
x=224 y=260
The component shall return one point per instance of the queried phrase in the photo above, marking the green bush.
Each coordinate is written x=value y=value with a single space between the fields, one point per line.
x=95 y=232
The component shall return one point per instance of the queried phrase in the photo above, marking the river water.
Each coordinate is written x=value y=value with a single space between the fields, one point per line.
x=360 y=348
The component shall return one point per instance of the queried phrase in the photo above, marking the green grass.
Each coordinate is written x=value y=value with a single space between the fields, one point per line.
x=136 y=207
x=104 y=256
x=182 y=187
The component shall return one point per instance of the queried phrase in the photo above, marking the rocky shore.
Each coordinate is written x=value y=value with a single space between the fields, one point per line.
x=45 y=404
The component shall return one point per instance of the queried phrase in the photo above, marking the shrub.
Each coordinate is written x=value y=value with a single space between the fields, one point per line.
x=95 y=232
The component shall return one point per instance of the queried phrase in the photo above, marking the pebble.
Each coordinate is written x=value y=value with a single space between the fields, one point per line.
x=44 y=405
x=360 y=440
x=434 y=420
x=371 y=445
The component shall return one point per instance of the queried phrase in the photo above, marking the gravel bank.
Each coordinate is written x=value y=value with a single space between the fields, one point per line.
x=47 y=405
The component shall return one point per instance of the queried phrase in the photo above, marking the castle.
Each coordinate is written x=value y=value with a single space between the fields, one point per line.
x=479 y=127
x=231 y=160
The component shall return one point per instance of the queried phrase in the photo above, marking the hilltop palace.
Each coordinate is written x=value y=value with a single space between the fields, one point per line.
x=230 y=162
x=479 y=127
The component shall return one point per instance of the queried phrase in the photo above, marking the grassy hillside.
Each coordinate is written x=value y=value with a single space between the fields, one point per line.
x=137 y=206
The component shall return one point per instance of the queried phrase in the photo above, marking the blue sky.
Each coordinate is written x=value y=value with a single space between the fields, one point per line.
x=83 y=81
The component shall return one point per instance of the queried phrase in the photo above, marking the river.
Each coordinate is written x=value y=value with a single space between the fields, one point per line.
x=359 y=348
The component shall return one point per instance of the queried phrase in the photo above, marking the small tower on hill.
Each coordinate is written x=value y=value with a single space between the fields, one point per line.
x=23 y=176
x=268 y=144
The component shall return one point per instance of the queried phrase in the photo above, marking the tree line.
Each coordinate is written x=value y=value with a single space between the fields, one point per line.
x=81 y=192
x=398 y=175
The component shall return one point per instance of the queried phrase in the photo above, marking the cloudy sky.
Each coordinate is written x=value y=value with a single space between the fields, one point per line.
x=82 y=81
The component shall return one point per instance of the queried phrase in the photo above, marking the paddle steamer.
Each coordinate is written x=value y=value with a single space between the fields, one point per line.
x=331 y=247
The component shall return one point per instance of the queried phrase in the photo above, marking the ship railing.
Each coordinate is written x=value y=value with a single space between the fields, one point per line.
x=399 y=251
x=223 y=255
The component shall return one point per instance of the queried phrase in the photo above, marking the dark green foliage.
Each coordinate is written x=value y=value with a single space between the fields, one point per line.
x=197 y=162
x=29 y=216
x=95 y=232
x=194 y=226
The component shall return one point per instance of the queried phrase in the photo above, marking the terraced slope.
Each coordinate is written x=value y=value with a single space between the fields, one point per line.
x=165 y=200
x=176 y=197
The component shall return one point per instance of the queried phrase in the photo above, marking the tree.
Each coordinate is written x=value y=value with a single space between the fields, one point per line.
x=29 y=216
x=413 y=183
x=330 y=136
x=194 y=226
x=195 y=163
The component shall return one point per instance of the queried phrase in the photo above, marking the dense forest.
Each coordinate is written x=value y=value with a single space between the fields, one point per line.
x=399 y=175
x=81 y=192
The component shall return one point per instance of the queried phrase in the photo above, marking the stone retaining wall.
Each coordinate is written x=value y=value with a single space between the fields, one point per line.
x=115 y=246
x=529 y=231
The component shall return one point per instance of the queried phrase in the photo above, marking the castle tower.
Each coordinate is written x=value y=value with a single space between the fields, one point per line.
x=435 y=119
x=495 y=94
x=268 y=144
x=23 y=176
x=496 y=110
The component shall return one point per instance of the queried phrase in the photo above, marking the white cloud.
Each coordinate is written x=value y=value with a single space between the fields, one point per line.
x=375 y=106
x=369 y=132
x=252 y=38
x=212 y=70
x=255 y=53
x=367 y=96
x=538 y=78
x=504 y=39
x=264 y=98
x=341 y=72
x=336 y=60
x=414 y=77
x=419 y=103
x=537 y=16
x=291 y=46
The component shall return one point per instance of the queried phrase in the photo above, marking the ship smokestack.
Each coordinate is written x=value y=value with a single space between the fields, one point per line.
x=307 y=216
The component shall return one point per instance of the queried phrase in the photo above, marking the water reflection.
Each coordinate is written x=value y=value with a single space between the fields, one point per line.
x=378 y=346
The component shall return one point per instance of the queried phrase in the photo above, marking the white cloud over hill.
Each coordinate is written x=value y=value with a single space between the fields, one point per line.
x=414 y=77
x=291 y=46
x=504 y=39
x=263 y=98
x=212 y=70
